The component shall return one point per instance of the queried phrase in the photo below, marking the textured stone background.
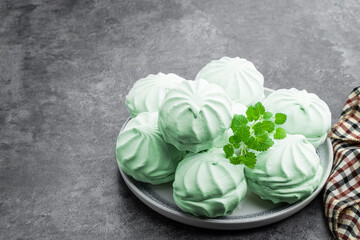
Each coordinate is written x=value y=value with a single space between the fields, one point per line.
x=66 y=67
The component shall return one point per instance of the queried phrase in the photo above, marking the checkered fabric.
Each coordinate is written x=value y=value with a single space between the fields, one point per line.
x=342 y=190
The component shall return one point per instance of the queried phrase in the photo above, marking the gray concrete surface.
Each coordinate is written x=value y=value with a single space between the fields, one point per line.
x=66 y=67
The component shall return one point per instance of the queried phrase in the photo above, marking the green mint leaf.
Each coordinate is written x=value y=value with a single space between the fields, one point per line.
x=280 y=133
x=255 y=144
x=249 y=160
x=268 y=126
x=260 y=108
x=280 y=118
x=236 y=160
x=229 y=150
x=252 y=113
x=253 y=131
x=262 y=137
x=242 y=133
x=236 y=137
x=252 y=143
x=264 y=146
x=234 y=142
x=258 y=128
x=267 y=115
x=242 y=119
x=249 y=113
x=237 y=121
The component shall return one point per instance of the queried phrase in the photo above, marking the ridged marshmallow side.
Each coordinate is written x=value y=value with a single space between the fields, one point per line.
x=142 y=152
x=289 y=171
x=239 y=78
x=207 y=184
x=195 y=116
x=148 y=93
x=306 y=113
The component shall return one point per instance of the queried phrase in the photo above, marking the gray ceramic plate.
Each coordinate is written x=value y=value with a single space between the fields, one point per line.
x=252 y=212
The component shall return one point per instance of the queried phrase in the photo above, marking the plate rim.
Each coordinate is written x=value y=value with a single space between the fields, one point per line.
x=228 y=224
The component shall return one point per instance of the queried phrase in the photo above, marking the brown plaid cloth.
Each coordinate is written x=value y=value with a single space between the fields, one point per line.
x=342 y=190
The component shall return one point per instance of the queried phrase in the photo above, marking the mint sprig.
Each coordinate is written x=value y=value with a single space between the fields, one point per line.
x=253 y=132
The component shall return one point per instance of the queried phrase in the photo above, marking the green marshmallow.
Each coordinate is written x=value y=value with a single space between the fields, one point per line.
x=142 y=153
x=307 y=114
x=207 y=184
x=239 y=78
x=148 y=93
x=289 y=171
x=195 y=116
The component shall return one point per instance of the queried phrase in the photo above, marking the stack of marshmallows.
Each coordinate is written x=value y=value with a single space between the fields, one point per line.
x=178 y=128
